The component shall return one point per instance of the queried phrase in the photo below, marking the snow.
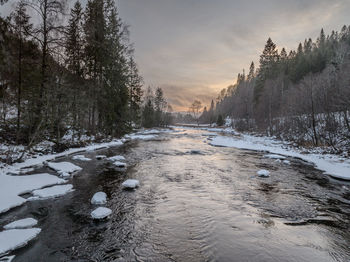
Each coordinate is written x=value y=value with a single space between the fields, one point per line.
x=51 y=192
x=263 y=173
x=22 y=223
x=141 y=137
x=116 y=158
x=130 y=184
x=13 y=186
x=38 y=160
x=99 y=198
x=119 y=164
x=7 y=258
x=101 y=213
x=16 y=238
x=100 y=157
x=64 y=167
x=274 y=156
x=334 y=166
x=287 y=162
x=81 y=158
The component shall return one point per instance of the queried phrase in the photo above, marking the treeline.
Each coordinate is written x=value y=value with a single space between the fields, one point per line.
x=303 y=95
x=57 y=75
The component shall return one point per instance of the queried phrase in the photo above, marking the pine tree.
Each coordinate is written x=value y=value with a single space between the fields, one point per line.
x=21 y=29
x=251 y=73
x=135 y=91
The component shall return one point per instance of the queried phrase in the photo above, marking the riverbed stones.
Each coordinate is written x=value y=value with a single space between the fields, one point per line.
x=101 y=213
x=130 y=184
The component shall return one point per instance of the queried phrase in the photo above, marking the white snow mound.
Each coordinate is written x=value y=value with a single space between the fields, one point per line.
x=66 y=167
x=51 y=192
x=119 y=164
x=116 y=158
x=22 y=223
x=16 y=238
x=130 y=184
x=81 y=158
x=99 y=198
x=263 y=173
x=101 y=213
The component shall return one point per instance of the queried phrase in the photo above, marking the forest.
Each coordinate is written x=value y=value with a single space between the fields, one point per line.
x=70 y=71
x=302 y=95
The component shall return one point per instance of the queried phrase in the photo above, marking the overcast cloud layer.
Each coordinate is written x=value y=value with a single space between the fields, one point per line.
x=194 y=48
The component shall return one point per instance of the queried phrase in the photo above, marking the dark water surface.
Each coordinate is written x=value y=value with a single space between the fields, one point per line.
x=193 y=207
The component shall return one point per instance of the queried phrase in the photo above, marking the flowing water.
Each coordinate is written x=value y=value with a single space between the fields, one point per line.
x=200 y=206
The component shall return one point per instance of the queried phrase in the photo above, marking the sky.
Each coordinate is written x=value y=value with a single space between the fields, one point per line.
x=194 y=48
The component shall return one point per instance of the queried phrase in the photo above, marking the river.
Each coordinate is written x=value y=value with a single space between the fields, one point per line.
x=209 y=206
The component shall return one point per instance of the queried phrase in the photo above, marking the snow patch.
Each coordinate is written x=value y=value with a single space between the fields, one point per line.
x=81 y=158
x=101 y=213
x=51 y=192
x=64 y=167
x=16 y=238
x=116 y=158
x=274 y=156
x=100 y=157
x=99 y=198
x=13 y=186
x=22 y=223
x=130 y=184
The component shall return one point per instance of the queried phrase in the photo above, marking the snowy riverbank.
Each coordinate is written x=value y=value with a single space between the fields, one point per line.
x=333 y=165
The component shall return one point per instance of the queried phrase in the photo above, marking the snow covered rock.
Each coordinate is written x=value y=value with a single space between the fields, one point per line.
x=66 y=167
x=119 y=164
x=287 y=162
x=274 y=156
x=16 y=238
x=81 y=158
x=116 y=158
x=51 y=192
x=101 y=213
x=22 y=223
x=263 y=173
x=130 y=184
x=99 y=198
x=13 y=186
x=100 y=157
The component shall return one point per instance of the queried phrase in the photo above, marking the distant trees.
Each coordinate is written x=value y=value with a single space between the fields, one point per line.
x=156 y=111
x=301 y=95
x=195 y=108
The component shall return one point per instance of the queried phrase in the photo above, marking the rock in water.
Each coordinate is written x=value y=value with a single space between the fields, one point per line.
x=101 y=213
x=99 y=198
x=130 y=184
x=263 y=173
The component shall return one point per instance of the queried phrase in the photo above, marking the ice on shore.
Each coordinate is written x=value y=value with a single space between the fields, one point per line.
x=101 y=213
x=331 y=165
x=16 y=238
x=263 y=173
x=287 y=162
x=81 y=158
x=22 y=223
x=130 y=184
x=13 y=186
x=274 y=156
x=99 y=198
x=100 y=157
x=64 y=167
x=51 y=192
